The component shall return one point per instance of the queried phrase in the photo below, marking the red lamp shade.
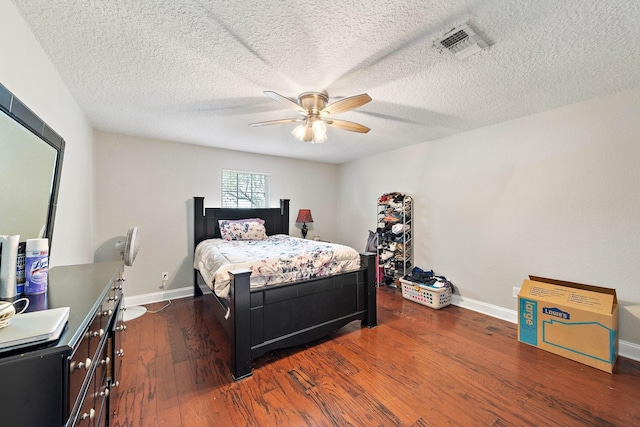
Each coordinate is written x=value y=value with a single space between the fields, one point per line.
x=304 y=215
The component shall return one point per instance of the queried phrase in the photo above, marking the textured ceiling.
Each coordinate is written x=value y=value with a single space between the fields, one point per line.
x=195 y=71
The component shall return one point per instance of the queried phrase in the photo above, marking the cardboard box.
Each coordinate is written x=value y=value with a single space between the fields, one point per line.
x=576 y=321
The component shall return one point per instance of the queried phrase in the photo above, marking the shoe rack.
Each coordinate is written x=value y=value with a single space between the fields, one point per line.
x=395 y=237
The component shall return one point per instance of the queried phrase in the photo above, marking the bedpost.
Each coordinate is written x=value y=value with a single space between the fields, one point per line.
x=198 y=234
x=199 y=224
x=284 y=211
x=240 y=323
x=368 y=261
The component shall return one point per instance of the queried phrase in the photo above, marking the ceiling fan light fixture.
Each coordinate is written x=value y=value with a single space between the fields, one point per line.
x=319 y=131
x=319 y=137
x=319 y=127
x=299 y=132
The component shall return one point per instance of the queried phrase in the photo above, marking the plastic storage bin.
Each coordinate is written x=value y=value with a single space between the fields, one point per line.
x=426 y=295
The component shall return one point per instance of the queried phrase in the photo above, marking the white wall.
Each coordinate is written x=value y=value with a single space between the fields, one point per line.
x=151 y=184
x=27 y=72
x=556 y=195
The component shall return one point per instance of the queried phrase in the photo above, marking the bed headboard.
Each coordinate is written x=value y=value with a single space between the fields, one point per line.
x=205 y=220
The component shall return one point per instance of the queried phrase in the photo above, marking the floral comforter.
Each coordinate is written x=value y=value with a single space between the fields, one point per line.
x=278 y=259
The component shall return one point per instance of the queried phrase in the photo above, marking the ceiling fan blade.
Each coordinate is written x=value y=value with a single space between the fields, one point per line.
x=286 y=102
x=346 y=104
x=276 y=122
x=350 y=126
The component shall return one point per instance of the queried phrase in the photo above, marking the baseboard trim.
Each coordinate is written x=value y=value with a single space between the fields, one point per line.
x=485 y=308
x=158 y=296
x=625 y=348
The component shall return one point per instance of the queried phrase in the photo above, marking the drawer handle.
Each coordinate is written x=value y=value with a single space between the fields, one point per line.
x=115 y=384
x=107 y=313
x=120 y=353
x=98 y=333
x=105 y=361
x=83 y=365
x=88 y=416
x=121 y=328
x=115 y=298
x=104 y=393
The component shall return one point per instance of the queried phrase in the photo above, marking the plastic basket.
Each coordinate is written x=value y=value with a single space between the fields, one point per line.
x=426 y=295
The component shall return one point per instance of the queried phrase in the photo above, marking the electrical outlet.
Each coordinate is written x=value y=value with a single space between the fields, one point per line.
x=516 y=291
x=165 y=277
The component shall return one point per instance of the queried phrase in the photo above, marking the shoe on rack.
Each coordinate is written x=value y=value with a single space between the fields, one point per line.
x=403 y=247
x=401 y=237
x=399 y=228
x=391 y=218
x=386 y=255
x=387 y=237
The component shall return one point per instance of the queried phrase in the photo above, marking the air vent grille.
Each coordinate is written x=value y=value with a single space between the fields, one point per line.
x=461 y=42
x=455 y=38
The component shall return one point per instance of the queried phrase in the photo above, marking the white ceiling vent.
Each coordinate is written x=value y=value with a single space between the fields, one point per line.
x=462 y=41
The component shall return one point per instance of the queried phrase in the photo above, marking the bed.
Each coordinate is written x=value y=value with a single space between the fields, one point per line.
x=259 y=319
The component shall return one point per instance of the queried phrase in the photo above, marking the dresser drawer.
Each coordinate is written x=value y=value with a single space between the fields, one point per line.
x=96 y=332
x=91 y=398
x=87 y=413
x=79 y=370
x=102 y=387
x=114 y=296
x=119 y=327
x=102 y=392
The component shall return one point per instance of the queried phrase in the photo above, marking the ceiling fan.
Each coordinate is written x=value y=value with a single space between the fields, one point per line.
x=315 y=112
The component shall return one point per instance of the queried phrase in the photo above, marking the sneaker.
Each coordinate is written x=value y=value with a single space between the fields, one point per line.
x=386 y=255
x=399 y=228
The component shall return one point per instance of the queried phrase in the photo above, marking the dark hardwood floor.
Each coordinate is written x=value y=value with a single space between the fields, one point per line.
x=418 y=367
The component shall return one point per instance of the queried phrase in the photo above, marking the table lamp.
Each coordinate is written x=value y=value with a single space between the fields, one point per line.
x=304 y=216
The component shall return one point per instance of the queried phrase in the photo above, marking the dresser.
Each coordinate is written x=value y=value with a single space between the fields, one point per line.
x=69 y=382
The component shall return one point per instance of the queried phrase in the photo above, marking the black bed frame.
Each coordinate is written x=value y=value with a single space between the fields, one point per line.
x=267 y=318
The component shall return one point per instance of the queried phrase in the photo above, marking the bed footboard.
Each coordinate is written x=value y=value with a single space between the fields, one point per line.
x=267 y=319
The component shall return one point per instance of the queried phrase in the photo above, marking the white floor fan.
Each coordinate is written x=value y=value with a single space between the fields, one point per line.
x=129 y=250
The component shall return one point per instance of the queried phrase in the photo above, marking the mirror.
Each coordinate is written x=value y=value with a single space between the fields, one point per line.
x=30 y=167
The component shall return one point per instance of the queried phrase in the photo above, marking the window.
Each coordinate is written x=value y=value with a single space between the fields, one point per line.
x=245 y=189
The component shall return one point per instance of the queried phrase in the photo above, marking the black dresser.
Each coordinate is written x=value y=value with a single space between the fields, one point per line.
x=68 y=382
